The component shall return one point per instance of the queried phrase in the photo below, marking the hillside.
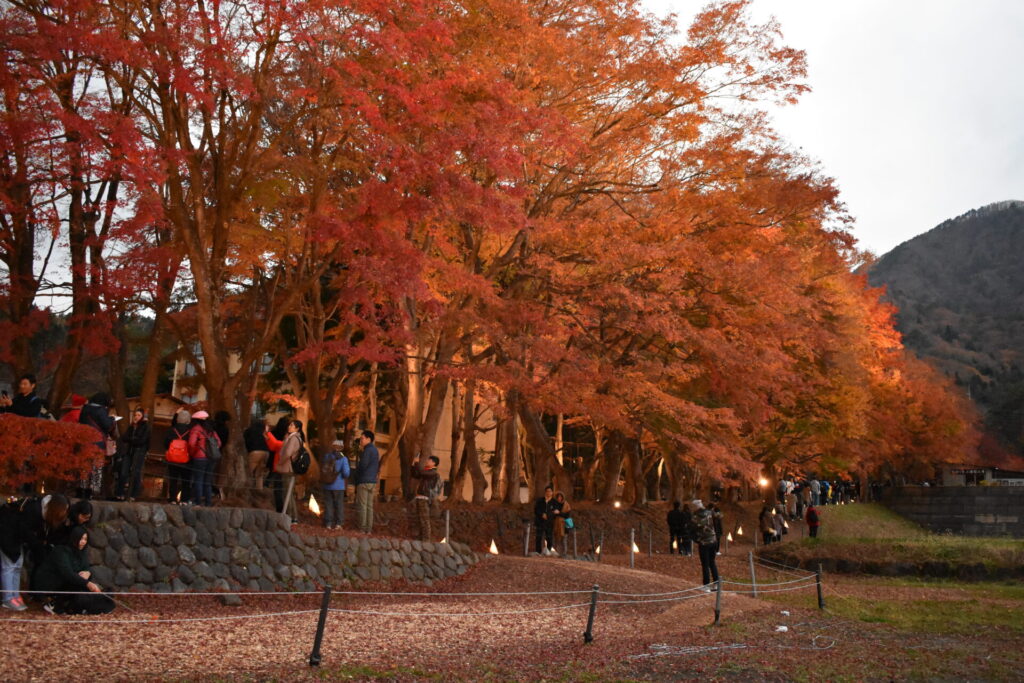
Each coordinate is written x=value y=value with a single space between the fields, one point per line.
x=960 y=293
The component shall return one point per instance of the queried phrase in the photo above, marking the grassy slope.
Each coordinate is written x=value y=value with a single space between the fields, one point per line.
x=870 y=532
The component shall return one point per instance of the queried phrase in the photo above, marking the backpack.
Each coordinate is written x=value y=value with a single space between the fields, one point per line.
x=436 y=489
x=177 y=452
x=329 y=469
x=212 y=447
x=300 y=463
x=705 y=522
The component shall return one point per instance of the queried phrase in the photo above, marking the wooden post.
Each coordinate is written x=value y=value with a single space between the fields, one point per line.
x=314 y=656
x=588 y=635
x=821 y=599
x=650 y=543
x=632 y=544
x=753 y=576
x=718 y=602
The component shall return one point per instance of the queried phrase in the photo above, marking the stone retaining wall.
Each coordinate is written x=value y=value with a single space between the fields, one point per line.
x=968 y=510
x=170 y=548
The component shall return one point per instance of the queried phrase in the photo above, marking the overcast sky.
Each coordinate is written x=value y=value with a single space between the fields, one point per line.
x=917 y=108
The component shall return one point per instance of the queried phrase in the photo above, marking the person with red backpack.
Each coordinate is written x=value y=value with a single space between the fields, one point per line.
x=179 y=477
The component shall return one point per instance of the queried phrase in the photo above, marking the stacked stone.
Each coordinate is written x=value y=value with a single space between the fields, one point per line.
x=169 y=548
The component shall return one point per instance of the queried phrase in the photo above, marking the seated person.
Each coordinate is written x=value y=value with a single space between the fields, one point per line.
x=67 y=569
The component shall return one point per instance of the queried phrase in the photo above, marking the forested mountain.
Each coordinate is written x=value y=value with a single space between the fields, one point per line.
x=960 y=293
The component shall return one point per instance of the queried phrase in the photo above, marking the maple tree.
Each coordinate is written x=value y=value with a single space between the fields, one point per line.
x=500 y=209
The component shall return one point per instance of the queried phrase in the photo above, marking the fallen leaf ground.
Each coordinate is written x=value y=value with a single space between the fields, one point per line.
x=868 y=632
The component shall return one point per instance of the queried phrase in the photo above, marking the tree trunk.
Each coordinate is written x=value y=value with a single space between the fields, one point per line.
x=512 y=453
x=613 y=460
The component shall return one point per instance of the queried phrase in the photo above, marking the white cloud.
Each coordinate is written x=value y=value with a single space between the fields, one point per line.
x=917 y=108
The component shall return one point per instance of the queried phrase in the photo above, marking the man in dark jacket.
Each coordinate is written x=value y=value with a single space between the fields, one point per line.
x=543 y=520
x=704 y=520
x=676 y=528
x=25 y=403
x=367 y=472
x=96 y=414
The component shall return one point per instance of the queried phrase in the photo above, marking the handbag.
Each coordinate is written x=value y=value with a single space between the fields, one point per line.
x=569 y=524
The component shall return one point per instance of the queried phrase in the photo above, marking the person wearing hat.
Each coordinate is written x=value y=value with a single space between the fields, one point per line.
x=77 y=403
x=334 y=470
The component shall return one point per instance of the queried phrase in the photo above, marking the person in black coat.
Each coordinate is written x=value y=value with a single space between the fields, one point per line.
x=676 y=528
x=25 y=403
x=79 y=514
x=96 y=414
x=133 y=460
x=543 y=517
x=66 y=569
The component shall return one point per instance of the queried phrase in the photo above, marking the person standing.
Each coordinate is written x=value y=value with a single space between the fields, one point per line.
x=284 y=475
x=257 y=450
x=542 y=517
x=133 y=461
x=560 y=512
x=367 y=472
x=25 y=403
x=96 y=414
x=179 y=476
x=815 y=491
x=676 y=528
x=425 y=470
x=813 y=521
x=707 y=540
x=204 y=451
x=334 y=470
x=766 y=525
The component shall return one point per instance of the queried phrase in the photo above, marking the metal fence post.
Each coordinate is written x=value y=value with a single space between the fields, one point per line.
x=575 y=556
x=718 y=602
x=633 y=545
x=526 y=541
x=600 y=546
x=314 y=656
x=821 y=599
x=650 y=543
x=448 y=526
x=753 y=576
x=588 y=635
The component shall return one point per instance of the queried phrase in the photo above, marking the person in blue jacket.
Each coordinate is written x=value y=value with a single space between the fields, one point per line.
x=334 y=470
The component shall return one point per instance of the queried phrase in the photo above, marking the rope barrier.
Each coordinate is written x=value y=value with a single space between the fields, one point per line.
x=156 y=620
x=778 y=583
x=457 y=614
x=294 y=593
x=702 y=594
x=650 y=595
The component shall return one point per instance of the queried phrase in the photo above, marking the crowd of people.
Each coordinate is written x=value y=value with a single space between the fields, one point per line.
x=47 y=538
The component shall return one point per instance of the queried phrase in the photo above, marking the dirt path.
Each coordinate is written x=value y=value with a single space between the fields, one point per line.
x=521 y=637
